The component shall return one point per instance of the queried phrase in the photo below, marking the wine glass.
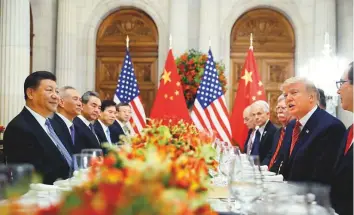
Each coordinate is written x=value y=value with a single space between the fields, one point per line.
x=93 y=152
x=245 y=183
x=18 y=179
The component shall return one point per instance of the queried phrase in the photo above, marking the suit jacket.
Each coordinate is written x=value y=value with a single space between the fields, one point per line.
x=25 y=141
x=266 y=140
x=84 y=137
x=246 y=142
x=100 y=133
x=314 y=155
x=280 y=157
x=63 y=132
x=342 y=184
x=116 y=130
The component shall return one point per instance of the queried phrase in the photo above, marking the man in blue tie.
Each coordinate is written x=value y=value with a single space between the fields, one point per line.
x=69 y=107
x=263 y=138
x=106 y=119
x=30 y=137
x=342 y=183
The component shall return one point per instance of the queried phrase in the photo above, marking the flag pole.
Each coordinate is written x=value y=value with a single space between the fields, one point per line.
x=251 y=41
x=127 y=42
x=170 y=41
x=209 y=43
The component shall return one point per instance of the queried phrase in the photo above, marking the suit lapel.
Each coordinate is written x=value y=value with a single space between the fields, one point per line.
x=344 y=159
x=87 y=132
x=306 y=132
x=100 y=133
x=42 y=137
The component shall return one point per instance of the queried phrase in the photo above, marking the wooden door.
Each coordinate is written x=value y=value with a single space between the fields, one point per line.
x=110 y=52
x=273 y=45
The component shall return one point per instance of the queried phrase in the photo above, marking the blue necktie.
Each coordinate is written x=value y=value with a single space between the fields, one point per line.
x=58 y=143
x=72 y=133
x=256 y=142
x=108 y=135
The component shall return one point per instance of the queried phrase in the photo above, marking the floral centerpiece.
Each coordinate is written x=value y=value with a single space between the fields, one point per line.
x=190 y=67
x=2 y=130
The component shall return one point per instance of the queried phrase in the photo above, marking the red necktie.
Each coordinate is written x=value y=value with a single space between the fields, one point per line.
x=349 y=140
x=295 y=136
x=282 y=133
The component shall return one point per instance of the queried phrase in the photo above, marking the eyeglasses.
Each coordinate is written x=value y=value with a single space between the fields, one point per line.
x=340 y=83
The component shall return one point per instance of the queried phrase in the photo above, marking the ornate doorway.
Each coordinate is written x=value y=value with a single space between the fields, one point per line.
x=273 y=45
x=110 y=52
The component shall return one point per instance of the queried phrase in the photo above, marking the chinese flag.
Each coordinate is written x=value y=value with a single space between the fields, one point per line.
x=169 y=104
x=250 y=89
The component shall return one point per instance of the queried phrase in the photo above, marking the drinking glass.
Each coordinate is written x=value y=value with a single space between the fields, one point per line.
x=245 y=182
x=18 y=179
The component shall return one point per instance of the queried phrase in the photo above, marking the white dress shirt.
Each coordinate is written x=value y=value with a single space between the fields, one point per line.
x=68 y=123
x=306 y=118
x=87 y=123
x=105 y=130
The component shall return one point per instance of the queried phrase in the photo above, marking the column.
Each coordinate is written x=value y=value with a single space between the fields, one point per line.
x=66 y=44
x=210 y=27
x=14 y=56
x=179 y=26
x=44 y=15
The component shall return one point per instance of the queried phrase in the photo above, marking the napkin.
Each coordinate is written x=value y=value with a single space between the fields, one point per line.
x=273 y=178
x=216 y=192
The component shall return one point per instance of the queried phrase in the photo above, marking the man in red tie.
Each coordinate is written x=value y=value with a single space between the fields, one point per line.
x=342 y=184
x=275 y=156
x=313 y=138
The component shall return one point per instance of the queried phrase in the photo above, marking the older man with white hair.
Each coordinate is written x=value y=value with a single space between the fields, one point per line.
x=314 y=135
x=263 y=138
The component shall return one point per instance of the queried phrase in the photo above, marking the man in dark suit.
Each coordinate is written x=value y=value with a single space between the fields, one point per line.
x=106 y=119
x=68 y=108
x=274 y=157
x=121 y=124
x=249 y=122
x=85 y=135
x=30 y=137
x=313 y=146
x=322 y=99
x=342 y=183
x=263 y=138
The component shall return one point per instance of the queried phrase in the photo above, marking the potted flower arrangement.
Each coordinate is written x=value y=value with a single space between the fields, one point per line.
x=190 y=67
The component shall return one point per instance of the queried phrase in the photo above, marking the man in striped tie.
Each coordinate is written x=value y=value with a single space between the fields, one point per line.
x=275 y=156
x=342 y=184
x=314 y=136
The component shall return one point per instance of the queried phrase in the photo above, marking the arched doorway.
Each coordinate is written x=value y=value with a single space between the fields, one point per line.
x=273 y=45
x=110 y=52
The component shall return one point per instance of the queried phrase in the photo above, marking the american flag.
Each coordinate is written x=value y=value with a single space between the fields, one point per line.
x=128 y=92
x=209 y=111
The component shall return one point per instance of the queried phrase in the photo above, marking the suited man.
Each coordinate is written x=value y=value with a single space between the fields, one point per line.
x=274 y=156
x=85 y=135
x=68 y=108
x=312 y=149
x=342 y=184
x=249 y=122
x=106 y=119
x=121 y=124
x=30 y=137
x=322 y=99
x=265 y=130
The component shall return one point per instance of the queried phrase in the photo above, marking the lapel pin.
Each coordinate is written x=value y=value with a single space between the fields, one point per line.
x=307 y=131
x=264 y=133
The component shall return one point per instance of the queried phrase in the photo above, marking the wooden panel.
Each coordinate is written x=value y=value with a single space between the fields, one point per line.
x=274 y=46
x=110 y=52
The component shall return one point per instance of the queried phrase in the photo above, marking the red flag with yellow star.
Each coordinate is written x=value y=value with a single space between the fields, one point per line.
x=169 y=103
x=250 y=89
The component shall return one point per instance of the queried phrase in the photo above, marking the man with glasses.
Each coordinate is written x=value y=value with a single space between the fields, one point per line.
x=275 y=156
x=312 y=149
x=342 y=184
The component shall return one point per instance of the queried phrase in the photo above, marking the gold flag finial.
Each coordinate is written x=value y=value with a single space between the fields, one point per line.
x=251 y=41
x=127 y=42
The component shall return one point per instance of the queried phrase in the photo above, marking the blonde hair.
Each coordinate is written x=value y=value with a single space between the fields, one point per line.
x=309 y=85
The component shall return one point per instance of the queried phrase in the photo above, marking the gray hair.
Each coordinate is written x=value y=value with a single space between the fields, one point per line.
x=310 y=86
x=86 y=96
x=247 y=109
x=62 y=91
x=263 y=104
x=281 y=98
